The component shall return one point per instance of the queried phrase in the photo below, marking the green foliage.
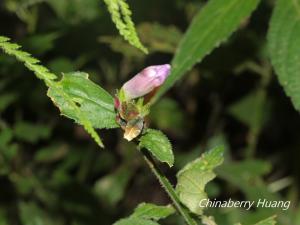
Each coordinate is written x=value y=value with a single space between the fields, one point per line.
x=6 y=100
x=254 y=102
x=30 y=62
x=50 y=154
x=247 y=175
x=111 y=188
x=50 y=174
x=121 y=16
x=94 y=103
x=193 y=178
x=70 y=108
x=135 y=221
x=8 y=150
x=269 y=221
x=56 y=91
x=31 y=132
x=39 y=44
x=71 y=11
x=284 y=46
x=26 y=11
x=147 y=214
x=159 y=145
x=6 y=136
x=153 y=212
x=167 y=114
x=210 y=27
x=31 y=214
x=157 y=37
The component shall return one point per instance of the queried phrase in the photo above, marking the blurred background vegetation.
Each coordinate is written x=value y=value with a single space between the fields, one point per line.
x=51 y=172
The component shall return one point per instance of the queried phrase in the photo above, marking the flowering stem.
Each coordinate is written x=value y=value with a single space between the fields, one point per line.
x=165 y=183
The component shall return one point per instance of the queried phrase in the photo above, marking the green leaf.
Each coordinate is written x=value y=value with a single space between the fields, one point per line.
x=8 y=150
x=269 y=221
x=41 y=43
x=121 y=16
x=208 y=220
x=111 y=188
x=82 y=100
x=6 y=100
x=3 y=219
x=159 y=145
x=32 y=214
x=73 y=13
x=255 y=102
x=61 y=65
x=147 y=214
x=210 y=27
x=51 y=153
x=247 y=176
x=135 y=221
x=194 y=176
x=30 y=132
x=284 y=46
x=167 y=114
x=94 y=102
x=152 y=211
x=56 y=91
x=159 y=37
x=6 y=135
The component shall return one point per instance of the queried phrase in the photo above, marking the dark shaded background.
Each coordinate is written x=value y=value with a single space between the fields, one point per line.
x=51 y=172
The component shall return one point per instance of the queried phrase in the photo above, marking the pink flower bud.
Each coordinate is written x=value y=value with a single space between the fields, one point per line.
x=146 y=80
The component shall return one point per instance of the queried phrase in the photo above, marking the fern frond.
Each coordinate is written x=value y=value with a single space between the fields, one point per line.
x=121 y=16
x=29 y=61
x=49 y=78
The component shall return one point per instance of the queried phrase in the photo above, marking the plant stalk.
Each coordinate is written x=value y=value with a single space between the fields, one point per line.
x=168 y=188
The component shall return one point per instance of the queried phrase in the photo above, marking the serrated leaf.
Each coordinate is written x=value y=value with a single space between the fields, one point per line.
x=194 y=176
x=147 y=214
x=269 y=221
x=284 y=46
x=207 y=161
x=211 y=26
x=93 y=101
x=121 y=16
x=55 y=91
x=135 y=221
x=159 y=145
x=152 y=211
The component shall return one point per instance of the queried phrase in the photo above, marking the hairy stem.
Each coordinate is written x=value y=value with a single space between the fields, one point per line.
x=168 y=188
